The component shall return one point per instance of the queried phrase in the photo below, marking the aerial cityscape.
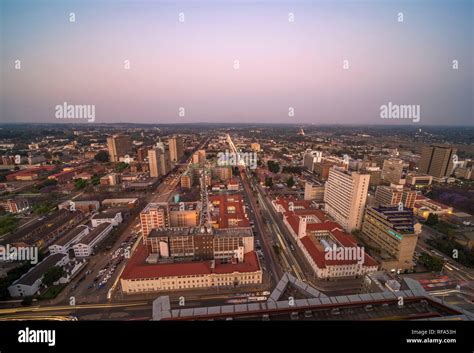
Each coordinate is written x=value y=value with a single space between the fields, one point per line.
x=299 y=222
x=306 y=162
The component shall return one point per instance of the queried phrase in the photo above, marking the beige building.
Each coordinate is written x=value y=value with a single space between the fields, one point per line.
x=139 y=276
x=176 y=146
x=255 y=147
x=395 y=233
x=199 y=157
x=314 y=192
x=394 y=195
x=419 y=180
x=118 y=146
x=186 y=181
x=221 y=173
x=392 y=171
x=161 y=215
x=345 y=197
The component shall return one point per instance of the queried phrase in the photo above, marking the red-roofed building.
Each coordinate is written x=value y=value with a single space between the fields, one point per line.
x=329 y=250
x=141 y=276
x=425 y=206
x=228 y=211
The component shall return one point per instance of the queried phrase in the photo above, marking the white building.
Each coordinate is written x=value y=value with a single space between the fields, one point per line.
x=314 y=192
x=86 y=245
x=113 y=217
x=65 y=242
x=345 y=197
x=311 y=157
x=29 y=284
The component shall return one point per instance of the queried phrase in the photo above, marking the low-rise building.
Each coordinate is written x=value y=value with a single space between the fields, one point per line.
x=139 y=276
x=114 y=217
x=29 y=284
x=65 y=243
x=86 y=245
x=424 y=207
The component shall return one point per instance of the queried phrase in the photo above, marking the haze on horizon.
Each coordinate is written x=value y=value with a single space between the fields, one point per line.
x=282 y=64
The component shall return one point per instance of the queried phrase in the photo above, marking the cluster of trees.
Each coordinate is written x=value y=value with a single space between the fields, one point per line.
x=102 y=157
x=291 y=170
x=431 y=263
x=273 y=166
x=8 y=223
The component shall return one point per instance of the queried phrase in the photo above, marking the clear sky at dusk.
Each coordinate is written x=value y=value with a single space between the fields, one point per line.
x=282 y=64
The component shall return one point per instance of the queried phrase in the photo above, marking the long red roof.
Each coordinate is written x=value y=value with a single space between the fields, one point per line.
x=137 y=268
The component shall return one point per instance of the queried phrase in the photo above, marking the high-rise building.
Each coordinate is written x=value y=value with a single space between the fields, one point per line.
x=176 y=145
x=345 y=197
x=118 y=146
x=164 y=215
x=393 y=171
x=311 y=157
x=159 y=161
x=154 y=162
x=395 y=232
x=142 y=153
x=394 y=195
x=199 y=157
x=437 y=161
x=388 y=195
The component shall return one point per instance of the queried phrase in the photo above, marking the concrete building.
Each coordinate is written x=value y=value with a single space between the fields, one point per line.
x=83 y=206
x=310 y=158
x=314 y=192
x=393 y=171
x=114 y=217
x=29 y=284
x=437 y=161
x=186 y=181
x=255 y=147
x=154 y=161
x=419 y=180
x=161 y=215
x=118 y=146
x=394 y=195
x=15 y=205
x=393 y=231
x=65 y=242
x=345 y=197
x=85 y=246
x=199 y=157
x=176 y=146
x=425 y=206
x=221 y=173
x=139 y=276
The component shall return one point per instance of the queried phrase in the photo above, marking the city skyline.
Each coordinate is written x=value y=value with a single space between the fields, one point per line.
x=282 y=65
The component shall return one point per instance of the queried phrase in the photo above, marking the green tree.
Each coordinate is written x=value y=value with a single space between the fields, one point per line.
x=80 y=184
x=431 y=263
x=273 y=166
x=95 y=180
x=432 y=219
x=102 y=156
x=52 y=275
x=269 y=181
x=290 y=182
